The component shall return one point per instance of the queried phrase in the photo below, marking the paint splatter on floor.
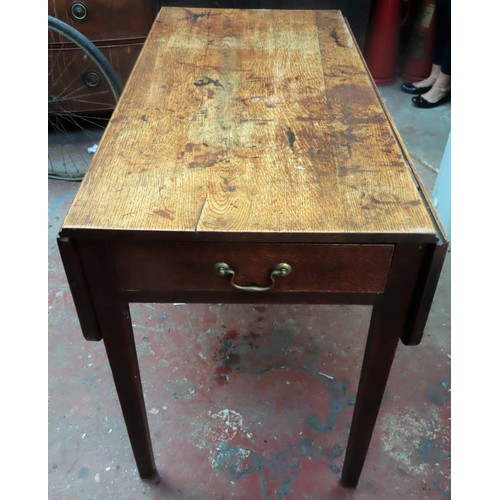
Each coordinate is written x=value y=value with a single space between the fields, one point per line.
x=258 y=401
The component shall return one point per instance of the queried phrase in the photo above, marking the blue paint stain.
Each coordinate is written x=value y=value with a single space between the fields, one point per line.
x=335 y=452
x=340 y=401
x=263 y=486
x=445 y=491
x=317 y=426
x=282 y=469
x=282 y=348
x=439 y=393
x=226 y=346
x=430 y=452
x=239 y=461
x=58 y=201
x=285 y=465
x=336 y=406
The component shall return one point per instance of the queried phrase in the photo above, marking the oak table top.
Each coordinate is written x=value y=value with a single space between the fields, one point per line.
x=251 y=159
x=261 y=122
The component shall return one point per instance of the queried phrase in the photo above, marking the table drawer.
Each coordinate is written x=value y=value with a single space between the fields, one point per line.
x=166 y=266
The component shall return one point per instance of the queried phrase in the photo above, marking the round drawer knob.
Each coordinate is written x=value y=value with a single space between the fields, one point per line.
x=78 y=11
x=91 y=79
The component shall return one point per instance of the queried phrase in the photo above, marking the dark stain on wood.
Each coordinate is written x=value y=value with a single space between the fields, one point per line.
x=344 y=171
x=290 y=136
x=338 y=41
x=205 y=80
x=188 y=148
x=193 y=17
x=164 y=213
x=206 y=160
x=376 y=201
x=308 y=118
x=228 y=187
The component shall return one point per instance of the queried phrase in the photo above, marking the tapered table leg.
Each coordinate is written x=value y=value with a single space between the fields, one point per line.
x=379 y=354
x=389 y=318
x=115 y=326
x=122 y=356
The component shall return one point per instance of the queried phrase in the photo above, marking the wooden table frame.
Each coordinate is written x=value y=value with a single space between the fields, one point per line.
x=108 y=268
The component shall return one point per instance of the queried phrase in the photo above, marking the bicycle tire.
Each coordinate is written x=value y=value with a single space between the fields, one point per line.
x=91 y=50
x=70 y=35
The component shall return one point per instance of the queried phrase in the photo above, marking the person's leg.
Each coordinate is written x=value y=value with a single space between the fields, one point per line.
x=430 y=80
x=441 y=61
x=439 y=89
x=424 y=85
x=441 y=85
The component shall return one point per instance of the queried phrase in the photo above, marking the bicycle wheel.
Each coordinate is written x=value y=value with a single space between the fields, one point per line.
x=83 y=90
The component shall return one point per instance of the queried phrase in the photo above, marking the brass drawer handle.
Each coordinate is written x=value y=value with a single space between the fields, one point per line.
x=223 y=269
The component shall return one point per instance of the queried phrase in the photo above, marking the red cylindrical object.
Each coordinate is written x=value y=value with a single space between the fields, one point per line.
x=381 y=48
x=419 y=52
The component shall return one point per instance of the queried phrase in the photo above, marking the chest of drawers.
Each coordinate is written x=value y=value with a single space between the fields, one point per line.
x=117 y=28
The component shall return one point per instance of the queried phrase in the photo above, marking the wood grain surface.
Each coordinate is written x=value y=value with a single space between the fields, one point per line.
x=250 y=121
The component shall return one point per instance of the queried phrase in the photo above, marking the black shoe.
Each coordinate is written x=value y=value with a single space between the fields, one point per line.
x=421 y=102
x=409 y=88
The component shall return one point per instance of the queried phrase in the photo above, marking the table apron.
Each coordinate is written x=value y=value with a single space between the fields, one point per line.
x=318 y=298
x=192 y=267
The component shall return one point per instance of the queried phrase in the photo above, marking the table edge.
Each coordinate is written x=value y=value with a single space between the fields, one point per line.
x=254 y=237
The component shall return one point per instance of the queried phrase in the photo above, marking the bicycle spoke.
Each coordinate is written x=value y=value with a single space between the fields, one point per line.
x=78 y=112
x=64 y=63
x=76 y=119
x=78 y=99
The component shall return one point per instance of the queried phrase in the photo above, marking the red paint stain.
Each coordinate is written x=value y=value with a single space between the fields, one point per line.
x=222 y=374
x=230 y=335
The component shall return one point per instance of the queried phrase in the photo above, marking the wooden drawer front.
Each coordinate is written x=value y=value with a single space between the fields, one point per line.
x=68 y=77
x=191 y=267
x=122 y=58
x=107 y=19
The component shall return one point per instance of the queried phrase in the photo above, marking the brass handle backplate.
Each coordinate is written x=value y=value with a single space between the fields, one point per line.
x=223 y=269
x=78 y=11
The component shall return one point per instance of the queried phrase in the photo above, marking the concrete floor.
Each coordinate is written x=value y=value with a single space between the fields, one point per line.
x=251 y=402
